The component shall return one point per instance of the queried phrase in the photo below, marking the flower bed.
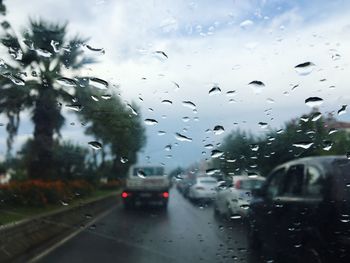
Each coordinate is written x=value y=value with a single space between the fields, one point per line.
x=41 y=193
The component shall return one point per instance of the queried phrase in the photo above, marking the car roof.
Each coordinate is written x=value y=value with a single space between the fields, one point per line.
x=324 y=161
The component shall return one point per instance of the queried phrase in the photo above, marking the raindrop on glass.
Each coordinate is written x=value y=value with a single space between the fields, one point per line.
x=150 y=122
x=304 y=68
x=95 y=145
x=313 y=101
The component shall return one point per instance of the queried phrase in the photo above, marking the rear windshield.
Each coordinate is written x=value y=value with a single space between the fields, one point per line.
x=251 y=184
x=148 y=171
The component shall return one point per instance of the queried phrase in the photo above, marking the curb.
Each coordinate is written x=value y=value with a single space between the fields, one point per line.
x=23 y=240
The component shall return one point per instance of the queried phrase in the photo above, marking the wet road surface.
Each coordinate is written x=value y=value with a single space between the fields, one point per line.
x=185 y=232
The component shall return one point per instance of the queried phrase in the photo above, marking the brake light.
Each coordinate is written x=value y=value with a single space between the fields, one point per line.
x=165 y=195
x=125 y=194
x=238 y=184
x=199 y=188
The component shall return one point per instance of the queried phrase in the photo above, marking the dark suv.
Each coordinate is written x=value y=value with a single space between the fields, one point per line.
x=302 y=212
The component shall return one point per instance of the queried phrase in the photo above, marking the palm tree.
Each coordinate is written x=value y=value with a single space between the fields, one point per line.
x=33 y=80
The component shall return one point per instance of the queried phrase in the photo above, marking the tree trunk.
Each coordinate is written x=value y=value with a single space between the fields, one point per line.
x=46 y=118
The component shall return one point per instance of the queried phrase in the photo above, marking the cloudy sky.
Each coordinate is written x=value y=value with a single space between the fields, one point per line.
x=226 y=44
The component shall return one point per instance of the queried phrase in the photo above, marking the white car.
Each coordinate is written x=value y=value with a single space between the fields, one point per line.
x=233 y=197
x=204 y=188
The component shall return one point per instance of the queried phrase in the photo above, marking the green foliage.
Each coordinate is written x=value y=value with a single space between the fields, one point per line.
x=247 y=153
x=117 y=127
x=177 y=171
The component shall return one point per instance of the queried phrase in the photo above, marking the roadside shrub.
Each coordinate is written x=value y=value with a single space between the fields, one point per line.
x=110 y=185
x=41 y=193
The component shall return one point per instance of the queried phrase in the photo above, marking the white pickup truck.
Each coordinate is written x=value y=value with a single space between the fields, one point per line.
x=146 y=184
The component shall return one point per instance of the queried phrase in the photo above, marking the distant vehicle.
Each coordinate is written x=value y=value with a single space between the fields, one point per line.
x=302 y=212
x=184 y=184
x=203 y=188
x=146 y=184
x=233 y=197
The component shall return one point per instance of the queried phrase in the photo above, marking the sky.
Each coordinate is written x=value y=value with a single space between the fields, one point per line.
x=227 y=44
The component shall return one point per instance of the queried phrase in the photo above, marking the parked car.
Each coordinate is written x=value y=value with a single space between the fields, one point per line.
x=203 y=188
x=302 y=212
x=233 y=197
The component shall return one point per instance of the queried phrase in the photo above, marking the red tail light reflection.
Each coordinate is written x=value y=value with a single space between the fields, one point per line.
x=125 y=194
x=165 y=195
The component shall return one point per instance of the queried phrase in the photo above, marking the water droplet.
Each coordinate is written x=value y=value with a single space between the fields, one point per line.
x=216 y=153
x=161 y=54
x=246 y=23
x=66 y=82
x=43 y=53
x=132 y=109
x=74 y=107
x=218 y=129
x=189 y=104
x=313 y=101
x=177 y=85
x=183 y=138
x=327 y=145
x=214 y=90
x=280 y=131
x=257 y=86
x=342 y=110
x=64 y=203
x=336 y=56
x=185 y=119
x=230 y=93
x=304 y=68
x=95 y=145
x=168 y=102
x=150 y=122
x=54 y=44
x=141 y=174
x=94 y=98
x=208 y=146
x=348 y=155
x=98 y=50
x=16 y=80
x=269 y=100
x=303 y=144
x=106 y=96
x=168 y=147
x=98 y=83
x=212 y=171
x=124 y=160
x=263 y=125
x=235 y=216
x=316 y=116
x=332 y=130
x=254 y=147
x=160 y=133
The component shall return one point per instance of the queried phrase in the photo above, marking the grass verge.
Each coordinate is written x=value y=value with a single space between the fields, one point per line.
x=11 y=214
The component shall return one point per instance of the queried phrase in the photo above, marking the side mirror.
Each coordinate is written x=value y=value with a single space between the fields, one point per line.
x=259 y=192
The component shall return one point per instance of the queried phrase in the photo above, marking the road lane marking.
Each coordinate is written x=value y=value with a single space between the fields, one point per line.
x=64 y=240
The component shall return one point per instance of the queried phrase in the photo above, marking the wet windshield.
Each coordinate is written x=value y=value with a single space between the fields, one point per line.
x=142 y=131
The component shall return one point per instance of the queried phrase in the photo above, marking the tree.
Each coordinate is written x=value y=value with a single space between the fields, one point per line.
x=308 y=135
x=34 y=80
x=116 y=126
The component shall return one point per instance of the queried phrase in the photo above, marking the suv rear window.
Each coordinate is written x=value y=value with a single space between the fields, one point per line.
x=148 y=171
x=251 y=184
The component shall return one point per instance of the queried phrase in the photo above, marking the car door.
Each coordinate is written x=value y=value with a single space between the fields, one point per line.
x=262 y=206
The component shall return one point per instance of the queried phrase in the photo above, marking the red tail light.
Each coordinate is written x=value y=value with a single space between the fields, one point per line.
x=125 y=194
x=199 y=188
x=238 y=184
x=165 y=195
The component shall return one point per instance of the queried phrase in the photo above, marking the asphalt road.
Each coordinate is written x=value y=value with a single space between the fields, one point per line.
x=185 y=232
